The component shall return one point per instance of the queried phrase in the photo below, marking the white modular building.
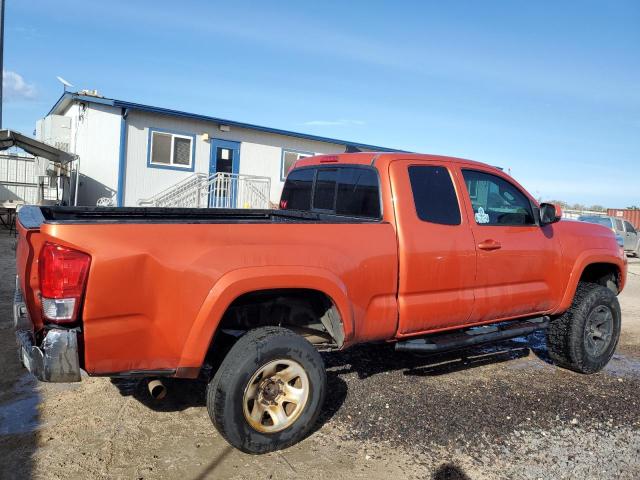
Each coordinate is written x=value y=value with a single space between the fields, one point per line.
x=130 y=154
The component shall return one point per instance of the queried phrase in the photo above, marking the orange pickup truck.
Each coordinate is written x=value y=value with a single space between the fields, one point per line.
x=431 y=253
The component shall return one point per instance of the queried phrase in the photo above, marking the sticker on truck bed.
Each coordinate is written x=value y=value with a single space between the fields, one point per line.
x=482 y=217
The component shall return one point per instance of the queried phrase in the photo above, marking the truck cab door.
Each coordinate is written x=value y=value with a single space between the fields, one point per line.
x=436 y=250
x=517 y=260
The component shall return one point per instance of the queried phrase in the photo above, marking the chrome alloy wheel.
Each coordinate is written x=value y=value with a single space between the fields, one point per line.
x=598 y=330
x=275 y=396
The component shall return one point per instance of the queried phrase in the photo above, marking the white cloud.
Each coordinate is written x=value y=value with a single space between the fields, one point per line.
x=343 y=122
x=27 y=32
x=14 y=87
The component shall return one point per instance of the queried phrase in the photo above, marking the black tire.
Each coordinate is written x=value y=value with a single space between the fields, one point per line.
x=225 y=393
x=571 y=342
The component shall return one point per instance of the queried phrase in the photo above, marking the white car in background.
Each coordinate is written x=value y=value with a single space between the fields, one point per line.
x=626 y=234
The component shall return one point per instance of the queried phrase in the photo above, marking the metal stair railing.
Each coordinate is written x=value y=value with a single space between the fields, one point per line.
x=233 y=190
x=220 y=190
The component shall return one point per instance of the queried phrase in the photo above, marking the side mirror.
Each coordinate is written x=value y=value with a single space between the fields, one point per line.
x=550 y=213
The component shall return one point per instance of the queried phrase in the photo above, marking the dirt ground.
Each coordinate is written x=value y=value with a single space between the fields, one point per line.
x=490 y=413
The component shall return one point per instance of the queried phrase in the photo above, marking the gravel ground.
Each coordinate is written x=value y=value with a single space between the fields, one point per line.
x=489 y=413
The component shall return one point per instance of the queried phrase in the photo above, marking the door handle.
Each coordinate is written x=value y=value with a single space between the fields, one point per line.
x=489 y=244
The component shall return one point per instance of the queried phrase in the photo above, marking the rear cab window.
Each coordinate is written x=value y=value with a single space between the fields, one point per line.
x=342 y=190
x=324 y=194
x=297 y=191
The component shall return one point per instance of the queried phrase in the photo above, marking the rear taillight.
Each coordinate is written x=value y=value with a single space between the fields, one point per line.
x=63 y=275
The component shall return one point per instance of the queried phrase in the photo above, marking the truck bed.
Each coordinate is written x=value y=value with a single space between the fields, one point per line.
x=34 y=216
x=160 y=279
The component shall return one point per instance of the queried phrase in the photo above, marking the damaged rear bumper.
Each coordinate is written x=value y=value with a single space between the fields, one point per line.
x=56 y=359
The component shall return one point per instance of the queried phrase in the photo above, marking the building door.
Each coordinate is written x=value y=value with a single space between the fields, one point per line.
x=225 y=161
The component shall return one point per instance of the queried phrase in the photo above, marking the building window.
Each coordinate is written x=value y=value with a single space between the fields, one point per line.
x=170 y=150
x=289 y=157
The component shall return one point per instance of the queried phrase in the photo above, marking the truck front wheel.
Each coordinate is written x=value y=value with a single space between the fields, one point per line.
x=584 y=338
x=268 y=392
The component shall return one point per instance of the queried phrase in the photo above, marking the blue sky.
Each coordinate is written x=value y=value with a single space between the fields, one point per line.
x=549 y=90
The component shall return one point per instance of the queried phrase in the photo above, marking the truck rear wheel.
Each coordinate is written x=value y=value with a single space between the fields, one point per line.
x=584 y=338
x=268 y=392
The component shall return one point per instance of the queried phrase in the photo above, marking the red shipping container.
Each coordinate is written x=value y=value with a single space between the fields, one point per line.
x=632 y=216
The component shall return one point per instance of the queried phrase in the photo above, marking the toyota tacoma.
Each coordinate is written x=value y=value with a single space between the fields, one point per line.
x=430 y=253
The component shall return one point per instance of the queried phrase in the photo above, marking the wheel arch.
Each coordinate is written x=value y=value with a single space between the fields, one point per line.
x=595 y=266
x=233 y=285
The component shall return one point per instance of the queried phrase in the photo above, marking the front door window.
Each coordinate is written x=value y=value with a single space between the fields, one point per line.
x=496 y=201
x=224 y=160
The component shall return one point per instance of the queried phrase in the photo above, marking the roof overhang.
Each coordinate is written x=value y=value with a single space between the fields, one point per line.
x=10 y=139
x=67 y=98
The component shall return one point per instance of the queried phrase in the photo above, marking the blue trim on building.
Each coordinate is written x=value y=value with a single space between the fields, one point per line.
x=68 y=97
x=122 y=160
x=57 y=105
x=191 y=168
x=300 y=152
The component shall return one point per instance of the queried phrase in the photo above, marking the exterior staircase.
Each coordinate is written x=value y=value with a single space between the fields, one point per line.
x=220 y=190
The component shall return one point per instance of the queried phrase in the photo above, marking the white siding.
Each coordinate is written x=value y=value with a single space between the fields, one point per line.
x=142 y=181
x=260 y=153
x=19 y=179
x=95 y=138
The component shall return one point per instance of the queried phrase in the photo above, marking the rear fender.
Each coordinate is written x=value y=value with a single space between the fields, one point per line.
x=245 y=280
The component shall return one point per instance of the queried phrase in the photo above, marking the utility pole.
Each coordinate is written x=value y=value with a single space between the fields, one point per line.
x=1 y=56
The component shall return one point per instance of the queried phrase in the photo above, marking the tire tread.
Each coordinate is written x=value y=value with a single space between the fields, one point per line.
x=224 y=378
x=565 y=342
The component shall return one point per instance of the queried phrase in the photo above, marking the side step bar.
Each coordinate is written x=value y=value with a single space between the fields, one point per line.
x=441 y=342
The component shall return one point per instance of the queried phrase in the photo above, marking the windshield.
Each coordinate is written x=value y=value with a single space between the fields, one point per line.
x=604 y=221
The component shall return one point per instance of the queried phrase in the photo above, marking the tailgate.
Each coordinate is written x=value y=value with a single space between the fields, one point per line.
x=28 y=228
x=50 y=354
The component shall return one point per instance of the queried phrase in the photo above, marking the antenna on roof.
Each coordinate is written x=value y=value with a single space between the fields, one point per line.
x=64 y=83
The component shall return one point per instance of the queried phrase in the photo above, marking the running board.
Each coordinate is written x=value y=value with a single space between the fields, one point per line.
x=441 y=342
